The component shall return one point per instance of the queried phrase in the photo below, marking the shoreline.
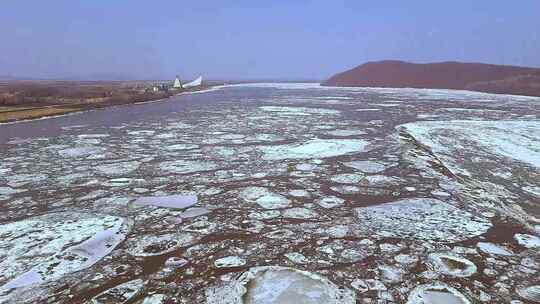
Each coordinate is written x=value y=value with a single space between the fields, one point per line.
x=23 y=113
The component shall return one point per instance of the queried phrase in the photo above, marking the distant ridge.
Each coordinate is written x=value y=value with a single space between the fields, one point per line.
x=482 y=77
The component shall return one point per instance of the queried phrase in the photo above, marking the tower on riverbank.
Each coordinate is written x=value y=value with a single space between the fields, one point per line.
x=177 y=83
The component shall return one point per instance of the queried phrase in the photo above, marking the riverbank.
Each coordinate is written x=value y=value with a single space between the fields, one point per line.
x=34 y=100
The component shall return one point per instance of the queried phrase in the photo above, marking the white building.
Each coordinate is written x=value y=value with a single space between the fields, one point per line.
x=177 y=84
x=195 y=83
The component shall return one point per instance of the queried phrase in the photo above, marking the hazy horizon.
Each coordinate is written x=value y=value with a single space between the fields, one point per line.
x=304 y=40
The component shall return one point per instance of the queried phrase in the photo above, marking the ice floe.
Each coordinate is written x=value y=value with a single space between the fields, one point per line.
x=187 y=166
x=264 y=198
x=229 y=261
x=451 y=264
x=421 y=218
x=514 y=139
x=527 y=240
x=436 y=293
x=51 y=246
x=170 y=201
x=530 y=293
x=299 y=110
x=273 y=284
x=347 y=178
x=122 y=293
x=315 y=148
x=299 y=213
x=154 y=245
x=493 y=249
x=346 y=133
x=366 y=166
x=120 y=168
x=330 y=202
x=80 y=152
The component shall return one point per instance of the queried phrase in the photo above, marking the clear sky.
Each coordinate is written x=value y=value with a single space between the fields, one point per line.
x=276 y=39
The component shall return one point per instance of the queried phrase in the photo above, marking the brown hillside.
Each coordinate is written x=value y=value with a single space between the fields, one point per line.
x=444 y=75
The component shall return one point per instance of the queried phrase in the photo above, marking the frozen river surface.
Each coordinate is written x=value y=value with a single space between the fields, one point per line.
x=276 y=193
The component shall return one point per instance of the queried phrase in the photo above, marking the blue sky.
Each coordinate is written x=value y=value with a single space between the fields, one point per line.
x=257 y=39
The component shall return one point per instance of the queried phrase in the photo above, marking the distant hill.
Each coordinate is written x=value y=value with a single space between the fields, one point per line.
x=444 y=75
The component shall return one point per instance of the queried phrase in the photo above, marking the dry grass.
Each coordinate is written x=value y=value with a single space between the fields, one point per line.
x=32 y=113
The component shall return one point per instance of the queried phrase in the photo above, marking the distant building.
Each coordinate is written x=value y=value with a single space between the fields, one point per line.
x=177 y=83
x=195 y=83
x=159 y=87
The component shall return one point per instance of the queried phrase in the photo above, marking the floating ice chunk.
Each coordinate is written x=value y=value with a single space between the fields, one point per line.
x=119 y=182
x=306 y=167
x=265 y=215
x=530 y=293
x=436 y=293
x=391 y=274
x=171 y=201
x=187 y=166
x=296 y=257
x=491 y=248
x=273 y=201
x=330 y=202
x=381 y=181
x=299 y=110
x=4 y=171
x=56 y=245
x=338 y=231
x=122 y=293
x=368 y=110
x=18 y=180
x=179 y=125
x=6 y=191
x=299 y=193
x=299 y=213
x=166 y=136
x=141 y=132
x=154 y=299
x=232 y=136
x=346 y=189
x=176 y=262
x=264 y=198
x=345 y=133
x=80 y=152
x=270 y=285
x=368 y=285
x=421 y=218
x=514 y=139
x=268 y=137
x=527 y=240
x=181 y=147
x=389 y=248
x=315 y=148
x=347 y=178
x=452 y=265
x=194 y=212
x=154 y=245
x=73 y=178
x=366 y=166
x=353 y=255
x=406 y=259
x=120 y=168
x=534 y=191
x=96 y=135
x=230 y=261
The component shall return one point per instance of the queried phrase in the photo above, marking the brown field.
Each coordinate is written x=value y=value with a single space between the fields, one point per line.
x=7 y=116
